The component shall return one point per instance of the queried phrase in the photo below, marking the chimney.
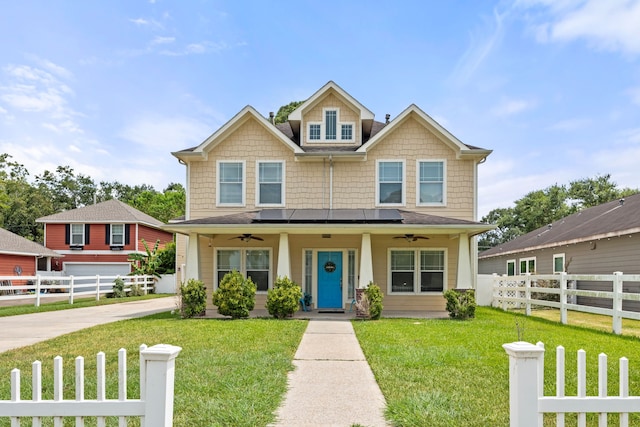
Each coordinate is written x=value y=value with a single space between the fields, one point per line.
x=386 y=118
x=271 y=117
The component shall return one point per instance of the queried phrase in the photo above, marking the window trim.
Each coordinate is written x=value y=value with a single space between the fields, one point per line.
x=71 y=234
x=282 y=183
x=323 y=129
x=404 y=182
x=417 y=285
x=555 y=256
x=243 y=263
x=515 y=265
x=244 y=183
x=527 y=259
x=111 y=233
x=444 y=182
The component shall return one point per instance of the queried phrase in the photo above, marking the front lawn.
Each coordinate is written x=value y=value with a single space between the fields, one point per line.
x=229 y=373
x=455 y=373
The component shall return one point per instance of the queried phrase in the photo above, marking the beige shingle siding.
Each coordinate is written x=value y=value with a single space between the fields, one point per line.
x=354 y=184
x=346 y=114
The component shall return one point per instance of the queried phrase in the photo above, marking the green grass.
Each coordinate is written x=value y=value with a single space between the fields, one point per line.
x=454 y=373
x=29 y=308
x=229 y=373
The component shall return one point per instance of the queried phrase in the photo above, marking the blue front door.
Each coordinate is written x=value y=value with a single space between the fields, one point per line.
x=329 y=279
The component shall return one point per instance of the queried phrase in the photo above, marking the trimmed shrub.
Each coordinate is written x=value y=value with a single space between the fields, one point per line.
x=118 y=289
x=461 y=303
x=284 y=299
x=235 y=296
x=193 y=299
x=374 y=296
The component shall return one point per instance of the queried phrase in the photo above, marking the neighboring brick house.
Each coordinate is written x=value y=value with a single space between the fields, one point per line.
x=97 y=239
x=334 y=200
x=22 y=257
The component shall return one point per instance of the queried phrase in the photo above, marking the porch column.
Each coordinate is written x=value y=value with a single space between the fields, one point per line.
x=193 y=257
x=366 y=262
x=284 y=263
x=464 y=263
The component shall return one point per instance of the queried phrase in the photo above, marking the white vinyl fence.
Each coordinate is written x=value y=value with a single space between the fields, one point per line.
x=41 y=286
x=535 y=290
x=527 y=402
x=154 y=407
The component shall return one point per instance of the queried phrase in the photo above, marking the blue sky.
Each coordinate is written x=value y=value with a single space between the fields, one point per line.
x=111 y=88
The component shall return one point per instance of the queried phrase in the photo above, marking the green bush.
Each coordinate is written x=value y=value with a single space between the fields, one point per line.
x=374 y=296
x=118 y=289
x=235 y=296
x=461 y=303
x=193 y=298
x=284 y=299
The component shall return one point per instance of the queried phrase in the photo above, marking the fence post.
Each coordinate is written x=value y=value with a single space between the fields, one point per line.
x=37 y=291
x=159 y=362
x=617 y=302
x=494 y=292
x=524 y=363
x=527 y=294
x=98 y=288
x=70 y=289
x=563 y=298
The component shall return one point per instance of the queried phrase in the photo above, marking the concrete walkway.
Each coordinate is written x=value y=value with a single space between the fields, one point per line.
x=332 y=384
x=27 y=329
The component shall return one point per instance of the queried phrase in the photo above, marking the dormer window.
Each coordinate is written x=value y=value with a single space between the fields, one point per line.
x=331 y=129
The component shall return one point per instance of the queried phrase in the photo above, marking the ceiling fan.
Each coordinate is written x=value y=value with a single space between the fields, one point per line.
x=247 y=237
x=411 y=237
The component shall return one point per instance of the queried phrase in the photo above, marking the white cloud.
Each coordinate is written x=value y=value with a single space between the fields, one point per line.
x=509 y=107
x=163 y=40
x=610 y=25
x=166 y=133
x=198 y=49
x=570 y=125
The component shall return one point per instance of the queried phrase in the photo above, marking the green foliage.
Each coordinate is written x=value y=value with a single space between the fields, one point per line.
x=193 y=298
x=167 y=259
x=461 y=303
x=374 y=297
x=235 y=295
x=146 y=263
x=283 y=112
x=118 y=289
x=284 y=299
x=542 y=207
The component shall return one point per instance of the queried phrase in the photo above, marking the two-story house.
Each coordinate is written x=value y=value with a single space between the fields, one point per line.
x=334 y=200
x=97 y=239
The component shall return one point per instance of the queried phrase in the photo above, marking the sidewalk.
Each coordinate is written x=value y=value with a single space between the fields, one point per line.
x=27 y=329
x=332 y=384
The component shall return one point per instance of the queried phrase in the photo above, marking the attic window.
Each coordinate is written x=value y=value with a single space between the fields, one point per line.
x=331 y=128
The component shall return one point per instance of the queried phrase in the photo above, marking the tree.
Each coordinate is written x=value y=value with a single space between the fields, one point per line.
x=589 y=192
x=66 y=189
x=283 y=112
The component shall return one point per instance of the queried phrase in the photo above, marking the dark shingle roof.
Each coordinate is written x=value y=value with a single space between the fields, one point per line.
x=11 y=243
x=111 y=211
x=605 y=220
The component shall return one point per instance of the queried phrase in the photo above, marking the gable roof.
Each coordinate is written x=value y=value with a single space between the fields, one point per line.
x=330 y=86
x=111 y=211
x=12 y=244
x=413 y=111
x=248 y=112
x=616 y=218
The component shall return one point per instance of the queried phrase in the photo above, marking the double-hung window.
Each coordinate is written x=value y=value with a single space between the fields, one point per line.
x=431 y=182
x=77 y=235
x=416 y=270
x=330 y=129
x=511 y=267
x=527 y=265
x=314 y=132
x=346 y=132
x=117 y=234
x=558 y=263
x=231 y=181
x=390 y=182
x=270 y=183
x=252 y=263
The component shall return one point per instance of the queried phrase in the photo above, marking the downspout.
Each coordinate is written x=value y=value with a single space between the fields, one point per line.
x=330 y=182
x=324 y=178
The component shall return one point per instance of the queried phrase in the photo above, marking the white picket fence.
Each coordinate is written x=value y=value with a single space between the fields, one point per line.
x=154 y=407
x=527 y=402
x=41 y=286
x=516 y=292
